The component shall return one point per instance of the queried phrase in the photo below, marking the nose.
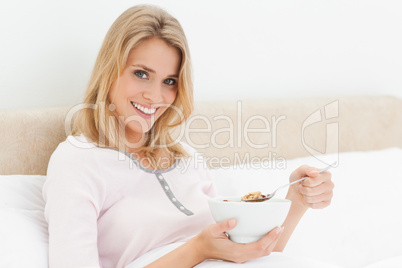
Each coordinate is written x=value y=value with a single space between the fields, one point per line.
x=153 y=93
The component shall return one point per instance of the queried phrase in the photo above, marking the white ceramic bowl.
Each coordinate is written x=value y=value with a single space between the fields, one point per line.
x=254 y=219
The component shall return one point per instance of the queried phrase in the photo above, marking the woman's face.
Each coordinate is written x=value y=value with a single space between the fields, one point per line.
x=146 y=88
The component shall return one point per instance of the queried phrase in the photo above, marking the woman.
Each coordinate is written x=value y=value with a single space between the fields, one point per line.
x=116 y=187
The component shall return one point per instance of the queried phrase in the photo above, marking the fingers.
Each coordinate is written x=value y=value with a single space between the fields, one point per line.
x=320 y=205
x=223 y=226
x=265 y=245
x=271 y=236
x=317 y=191
x=318 y=198
x=326 y=186
x=315 y=178
x=312 y=172
x=306 y=170
x=240 y=253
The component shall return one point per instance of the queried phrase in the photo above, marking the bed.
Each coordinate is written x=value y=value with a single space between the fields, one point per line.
x=248 y=145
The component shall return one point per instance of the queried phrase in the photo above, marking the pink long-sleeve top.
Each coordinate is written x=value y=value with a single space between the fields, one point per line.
x=104 y=209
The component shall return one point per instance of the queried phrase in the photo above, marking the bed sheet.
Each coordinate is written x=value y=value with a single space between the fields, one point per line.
x=356 y=231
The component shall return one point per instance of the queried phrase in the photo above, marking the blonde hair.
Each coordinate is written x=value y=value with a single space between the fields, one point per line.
x=99 y=124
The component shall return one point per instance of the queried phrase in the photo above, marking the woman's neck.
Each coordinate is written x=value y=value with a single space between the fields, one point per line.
x=132 y=143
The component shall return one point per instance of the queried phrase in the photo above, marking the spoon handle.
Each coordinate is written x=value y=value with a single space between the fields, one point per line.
x=321 y=171
x=269 y=196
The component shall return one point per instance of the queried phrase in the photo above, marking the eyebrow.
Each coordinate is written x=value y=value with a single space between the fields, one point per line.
x=152 y=71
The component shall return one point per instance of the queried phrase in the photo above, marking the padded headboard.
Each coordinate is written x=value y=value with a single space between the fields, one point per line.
x=226 y=130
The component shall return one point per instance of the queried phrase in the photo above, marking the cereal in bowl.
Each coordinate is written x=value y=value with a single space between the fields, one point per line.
x=252 y=195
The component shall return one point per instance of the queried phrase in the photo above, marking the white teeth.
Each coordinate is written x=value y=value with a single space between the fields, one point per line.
x=143 y=109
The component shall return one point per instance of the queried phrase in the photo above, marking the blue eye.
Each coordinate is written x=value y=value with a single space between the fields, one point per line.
x=141 y=74
x=170 y=81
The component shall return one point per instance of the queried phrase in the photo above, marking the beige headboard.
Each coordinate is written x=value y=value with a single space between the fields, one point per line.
x=224 y=130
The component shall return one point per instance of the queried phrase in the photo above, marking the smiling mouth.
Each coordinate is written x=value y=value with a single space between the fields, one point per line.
x=145 y=110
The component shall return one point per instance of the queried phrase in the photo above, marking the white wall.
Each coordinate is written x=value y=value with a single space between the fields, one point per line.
x=240 y=49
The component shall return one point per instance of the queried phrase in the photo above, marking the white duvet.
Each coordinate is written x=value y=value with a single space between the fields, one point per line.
x=361 y=228
x=277 y=260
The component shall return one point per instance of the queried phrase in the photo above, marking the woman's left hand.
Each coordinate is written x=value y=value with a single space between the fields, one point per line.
x=315 y=192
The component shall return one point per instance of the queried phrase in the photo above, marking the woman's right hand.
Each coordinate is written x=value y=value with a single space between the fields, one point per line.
x=213 y=243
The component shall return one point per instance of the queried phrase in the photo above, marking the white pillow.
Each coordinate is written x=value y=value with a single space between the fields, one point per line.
x=23 y=229
x=24 y=238
x=22 y=191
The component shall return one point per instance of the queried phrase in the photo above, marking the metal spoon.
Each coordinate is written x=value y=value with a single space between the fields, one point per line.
x=269 y=196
